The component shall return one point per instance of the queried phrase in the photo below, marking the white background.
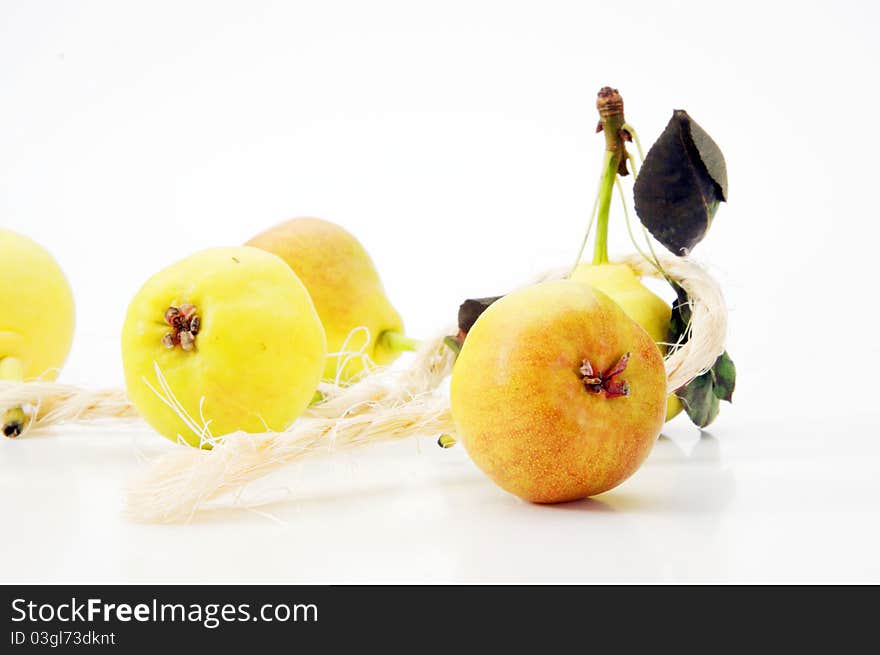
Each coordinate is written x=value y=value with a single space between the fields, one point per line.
x=456 y=140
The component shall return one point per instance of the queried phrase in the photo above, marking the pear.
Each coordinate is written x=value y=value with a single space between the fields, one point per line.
x=36 y=319
x=226 y=339
x=557 y=394
x=620 y=282
x=346 y=291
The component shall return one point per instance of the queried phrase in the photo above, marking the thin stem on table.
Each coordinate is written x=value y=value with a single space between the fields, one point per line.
x=13 y=420
x=398 y=342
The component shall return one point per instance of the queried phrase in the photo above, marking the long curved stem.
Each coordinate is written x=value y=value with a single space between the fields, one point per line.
x=632 y=162
x=629 y=128
x=656 y=262
x=653 y=259
x=577 y=260
x=632 y=236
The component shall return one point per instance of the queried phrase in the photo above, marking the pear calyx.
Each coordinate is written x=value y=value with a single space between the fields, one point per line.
x=607 y=381
x=185 y=325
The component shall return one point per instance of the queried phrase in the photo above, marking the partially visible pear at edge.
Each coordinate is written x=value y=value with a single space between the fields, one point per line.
x=344 y=286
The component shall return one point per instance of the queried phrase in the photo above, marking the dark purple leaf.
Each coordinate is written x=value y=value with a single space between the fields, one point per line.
x=681 y=184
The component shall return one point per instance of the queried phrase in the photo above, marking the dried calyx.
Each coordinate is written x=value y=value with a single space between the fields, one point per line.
x=607 y=381
x=185 y=324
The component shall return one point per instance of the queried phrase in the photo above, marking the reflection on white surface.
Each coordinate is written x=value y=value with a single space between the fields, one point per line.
x=752 y=502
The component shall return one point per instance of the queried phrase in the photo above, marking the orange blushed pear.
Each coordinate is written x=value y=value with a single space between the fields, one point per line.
x=557 y=394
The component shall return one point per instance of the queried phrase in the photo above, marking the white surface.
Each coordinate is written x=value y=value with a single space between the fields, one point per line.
x=754 y=501
x=456 y=141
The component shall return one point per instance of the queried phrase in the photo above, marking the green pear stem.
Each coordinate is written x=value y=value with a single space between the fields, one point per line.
x=397 y=341
x=613 y=124
x=606 y=190
x=13 y=420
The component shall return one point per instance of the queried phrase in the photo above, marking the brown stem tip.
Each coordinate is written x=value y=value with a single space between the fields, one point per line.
x=185 y=325
x=607 y=381
x=12 y=429
x=609 y=102
x=611 y=120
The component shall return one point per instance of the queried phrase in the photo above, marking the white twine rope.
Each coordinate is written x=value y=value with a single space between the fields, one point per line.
x=707 y=331
x=50 y=403
x=345 y=355
x=385 y=405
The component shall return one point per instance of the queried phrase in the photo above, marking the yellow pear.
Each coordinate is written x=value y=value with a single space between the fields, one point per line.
x=346 y=290
x=226 y=339
x=36 y=318
x=557 y=394
x=620 y=282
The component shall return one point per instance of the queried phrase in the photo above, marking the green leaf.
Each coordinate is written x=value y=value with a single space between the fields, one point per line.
x=680 y=185
x=701 y=396
x=724 y=377
x=699 y=401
